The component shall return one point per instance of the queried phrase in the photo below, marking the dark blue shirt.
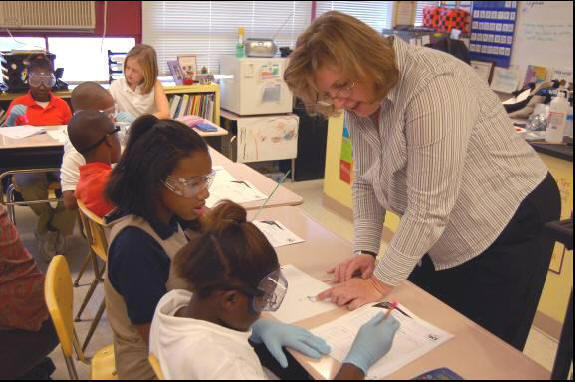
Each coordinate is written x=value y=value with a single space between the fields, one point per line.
x=138 y=268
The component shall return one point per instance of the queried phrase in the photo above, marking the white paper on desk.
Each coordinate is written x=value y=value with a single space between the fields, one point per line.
x=20 y=132
x=57 y=134
x=296 y=306
x=277 y=234
x=226 y=186
x=413 y=339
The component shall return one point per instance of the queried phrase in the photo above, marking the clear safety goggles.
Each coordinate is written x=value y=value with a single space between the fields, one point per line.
x=268 y=295
x=189 y=187
x=111 y=112
x=37 y=80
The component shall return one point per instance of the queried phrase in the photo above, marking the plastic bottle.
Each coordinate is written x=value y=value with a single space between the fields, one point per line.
x=557 y=119
x=240 y=44
x=569 y=125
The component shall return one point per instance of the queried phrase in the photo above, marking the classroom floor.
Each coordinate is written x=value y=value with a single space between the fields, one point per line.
x=540 y=347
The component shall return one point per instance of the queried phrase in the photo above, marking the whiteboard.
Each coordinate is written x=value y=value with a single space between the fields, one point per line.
x=543 y=36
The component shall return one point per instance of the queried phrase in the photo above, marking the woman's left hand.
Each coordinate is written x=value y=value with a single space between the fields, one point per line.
x=356 y=292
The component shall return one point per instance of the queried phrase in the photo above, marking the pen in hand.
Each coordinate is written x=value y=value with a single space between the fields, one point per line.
x=392 y=307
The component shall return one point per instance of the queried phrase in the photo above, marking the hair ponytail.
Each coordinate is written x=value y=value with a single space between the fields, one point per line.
x=229 y=250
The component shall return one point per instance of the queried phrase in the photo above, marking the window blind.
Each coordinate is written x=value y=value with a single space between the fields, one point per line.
x=377 y=14
x=209 y=29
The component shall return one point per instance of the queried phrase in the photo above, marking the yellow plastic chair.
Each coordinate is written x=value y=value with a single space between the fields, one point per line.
x=94 y=229
x=59 y=295
x=155 y=366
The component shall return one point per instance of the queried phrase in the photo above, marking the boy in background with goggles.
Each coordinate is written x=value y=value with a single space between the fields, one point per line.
x=94 y=135
x=41 y=108
x=207 y=330
x=86 y=96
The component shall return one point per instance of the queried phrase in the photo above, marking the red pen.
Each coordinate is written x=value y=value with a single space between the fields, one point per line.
x=393 y=306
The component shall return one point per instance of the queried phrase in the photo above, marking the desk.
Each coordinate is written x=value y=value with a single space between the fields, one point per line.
x=42 y=151
x=474 y=353
x=38 y=151
x=282 y=197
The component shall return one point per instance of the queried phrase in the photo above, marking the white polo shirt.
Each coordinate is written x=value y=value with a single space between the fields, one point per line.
x=187 y=348
x=132 y=101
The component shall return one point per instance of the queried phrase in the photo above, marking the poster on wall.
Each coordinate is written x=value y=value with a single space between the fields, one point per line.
x=345 y=158
x=492 y=31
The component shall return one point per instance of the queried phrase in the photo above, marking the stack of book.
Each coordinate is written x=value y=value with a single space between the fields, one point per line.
x=201 y=105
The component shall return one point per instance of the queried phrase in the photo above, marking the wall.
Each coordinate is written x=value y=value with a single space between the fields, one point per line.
x=338 y=192
x=543 y=36
x=124 y=19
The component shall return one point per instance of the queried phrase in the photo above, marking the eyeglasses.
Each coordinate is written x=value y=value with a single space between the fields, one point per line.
x=189 y=187
x=343 y=91
x=111 y=112
x=268 y=295
x=92 y=147
x=37 y=80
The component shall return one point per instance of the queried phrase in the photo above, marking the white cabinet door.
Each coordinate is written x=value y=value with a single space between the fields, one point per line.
x=267 y=138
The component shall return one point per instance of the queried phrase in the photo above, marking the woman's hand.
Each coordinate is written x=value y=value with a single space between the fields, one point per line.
x=344 y=271
x=356 y=292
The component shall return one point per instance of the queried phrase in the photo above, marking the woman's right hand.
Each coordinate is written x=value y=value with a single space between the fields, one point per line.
x=373 y=341
x=344 y=271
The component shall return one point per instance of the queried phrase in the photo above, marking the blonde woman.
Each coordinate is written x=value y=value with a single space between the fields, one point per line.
x=140 y=92
x=432 y=143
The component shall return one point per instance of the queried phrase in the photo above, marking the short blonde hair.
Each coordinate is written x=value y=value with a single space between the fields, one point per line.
x=359 y=51
x=145 y=55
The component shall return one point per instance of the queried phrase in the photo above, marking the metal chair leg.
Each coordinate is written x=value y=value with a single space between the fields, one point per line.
x=94 y=325
x=83 y=269
x=93 y=286
x=11 y=200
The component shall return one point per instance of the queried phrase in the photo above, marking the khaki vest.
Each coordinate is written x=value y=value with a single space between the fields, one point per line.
x=130 y=349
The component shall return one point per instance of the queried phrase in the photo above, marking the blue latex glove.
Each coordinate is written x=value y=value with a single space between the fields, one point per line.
x=16 y=112
x=275 y=335
x=373 y=341
x=124 y=116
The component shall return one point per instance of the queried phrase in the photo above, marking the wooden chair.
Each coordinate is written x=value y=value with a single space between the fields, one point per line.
x=59 y=296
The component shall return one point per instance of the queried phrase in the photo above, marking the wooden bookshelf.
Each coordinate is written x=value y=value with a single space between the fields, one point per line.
x=6 y=98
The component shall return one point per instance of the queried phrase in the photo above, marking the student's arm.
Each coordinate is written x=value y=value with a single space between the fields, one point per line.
x=70 y=201
x=371 y=343
x=70 y=174
x=144 y=331
x=16 y=115
x=161 y=101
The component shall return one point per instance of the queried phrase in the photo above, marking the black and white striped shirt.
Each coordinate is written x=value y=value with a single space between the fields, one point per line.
x=445 y=157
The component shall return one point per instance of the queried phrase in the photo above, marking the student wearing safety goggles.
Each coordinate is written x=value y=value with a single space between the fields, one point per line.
x=213 y=329
x=94 y=136
x=41 y=108
x=86 y=96
x=159 y=187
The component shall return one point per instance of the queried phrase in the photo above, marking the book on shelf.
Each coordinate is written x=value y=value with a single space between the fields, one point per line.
x=176 y=72
x=201 y=105
x=183 y=108
x=174 y=105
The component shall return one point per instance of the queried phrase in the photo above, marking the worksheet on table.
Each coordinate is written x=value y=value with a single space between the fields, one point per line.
x=413 y=339
x=20 y=132
x=277 y=234
x=225 y=186
x=299 y=302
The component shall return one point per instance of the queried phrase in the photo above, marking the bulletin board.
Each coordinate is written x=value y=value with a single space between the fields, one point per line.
x=544 y=36
x=492 y=31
